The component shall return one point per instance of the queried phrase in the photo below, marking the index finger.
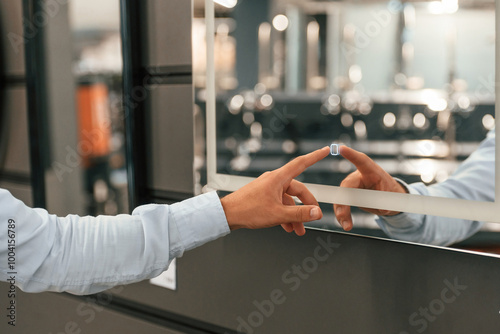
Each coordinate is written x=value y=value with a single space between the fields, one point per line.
x=295 y=167
x=362 y=162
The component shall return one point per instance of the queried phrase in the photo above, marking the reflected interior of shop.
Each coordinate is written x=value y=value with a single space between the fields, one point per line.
x=99 y=154
x=98 y=71
x=411 y=84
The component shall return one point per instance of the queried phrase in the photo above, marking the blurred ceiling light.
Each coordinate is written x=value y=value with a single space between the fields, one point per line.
x=280 y=22
x=427 y=177
x=427 y=170
x=350 y=103
x=355 y=73
x=248 y=118
x=346 y=120
x=426 y=148
x=334 y=100
x=435 y=7
x=463 y=102
x=240 y=163
x=400 y=79
x=415 y=82
x=236 y=104
x=223 y=29
x=365 y=108
x=256 y=129
x=230 y=143
x=443 y=7
x=389 y=120
x=266 y=100
x=450 y=6
x=438 y=104
x=488 y=122
x=344 y=166
x=289 y=146
x=227 y=3
x=253 y=145
x=360 y=129
x=419 y=120
x=260 y=88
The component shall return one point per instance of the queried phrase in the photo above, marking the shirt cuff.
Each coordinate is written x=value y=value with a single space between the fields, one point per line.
x=403 y=220
x=196 y=221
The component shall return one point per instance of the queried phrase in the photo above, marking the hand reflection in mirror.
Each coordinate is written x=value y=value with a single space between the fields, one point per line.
x=472 y=180
x=368 y=175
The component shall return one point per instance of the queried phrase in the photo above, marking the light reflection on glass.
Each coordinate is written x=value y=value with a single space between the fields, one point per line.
x=488 y=122
x=248 y=117
x=280 y=22
x=389 y=120
x=419 y=120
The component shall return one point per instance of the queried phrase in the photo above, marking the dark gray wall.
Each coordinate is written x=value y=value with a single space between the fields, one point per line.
x=14 y=148
x=364 y=286
x=50 y=313
x=167 y=60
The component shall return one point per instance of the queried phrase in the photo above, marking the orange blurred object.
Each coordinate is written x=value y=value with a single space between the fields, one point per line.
x=94 y=122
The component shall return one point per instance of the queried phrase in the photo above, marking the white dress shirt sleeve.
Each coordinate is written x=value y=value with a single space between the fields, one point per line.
x=84 y=255
x=473 y=180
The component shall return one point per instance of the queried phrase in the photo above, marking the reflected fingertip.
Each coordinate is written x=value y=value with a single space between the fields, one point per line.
x=348 y=225
x=300 y=233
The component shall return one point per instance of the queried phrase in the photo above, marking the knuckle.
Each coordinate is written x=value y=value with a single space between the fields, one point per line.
x=266 y=175
x=300 y=161
x=298 y=215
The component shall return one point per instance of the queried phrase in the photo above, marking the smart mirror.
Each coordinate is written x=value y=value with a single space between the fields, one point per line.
x=410 y=84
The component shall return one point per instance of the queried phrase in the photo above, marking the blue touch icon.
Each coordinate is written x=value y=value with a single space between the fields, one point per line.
x=334 y=149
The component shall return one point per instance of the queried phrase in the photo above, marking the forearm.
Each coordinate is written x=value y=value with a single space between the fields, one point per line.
x=473 y=181
x=85 y=255
x=431 y=230
x=426 y=229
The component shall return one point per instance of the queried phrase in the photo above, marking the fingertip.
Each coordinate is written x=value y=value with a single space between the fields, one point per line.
x=315 y=213
x=343 y=149
x=300 y=230
x=347 y=225
x=300 y=233
x=340 y=223
x=325 y=151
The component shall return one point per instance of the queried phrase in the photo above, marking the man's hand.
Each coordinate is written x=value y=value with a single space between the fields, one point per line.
x=368 y=175
x=267 y=201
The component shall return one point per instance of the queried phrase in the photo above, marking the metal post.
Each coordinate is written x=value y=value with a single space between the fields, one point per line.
x=134 y=120
x=36 y=102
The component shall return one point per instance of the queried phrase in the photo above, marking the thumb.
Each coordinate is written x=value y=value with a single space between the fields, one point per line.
x=301 y=213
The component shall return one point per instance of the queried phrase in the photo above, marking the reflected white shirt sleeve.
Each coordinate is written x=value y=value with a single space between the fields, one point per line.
x=473 y=180
x=84 y=255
